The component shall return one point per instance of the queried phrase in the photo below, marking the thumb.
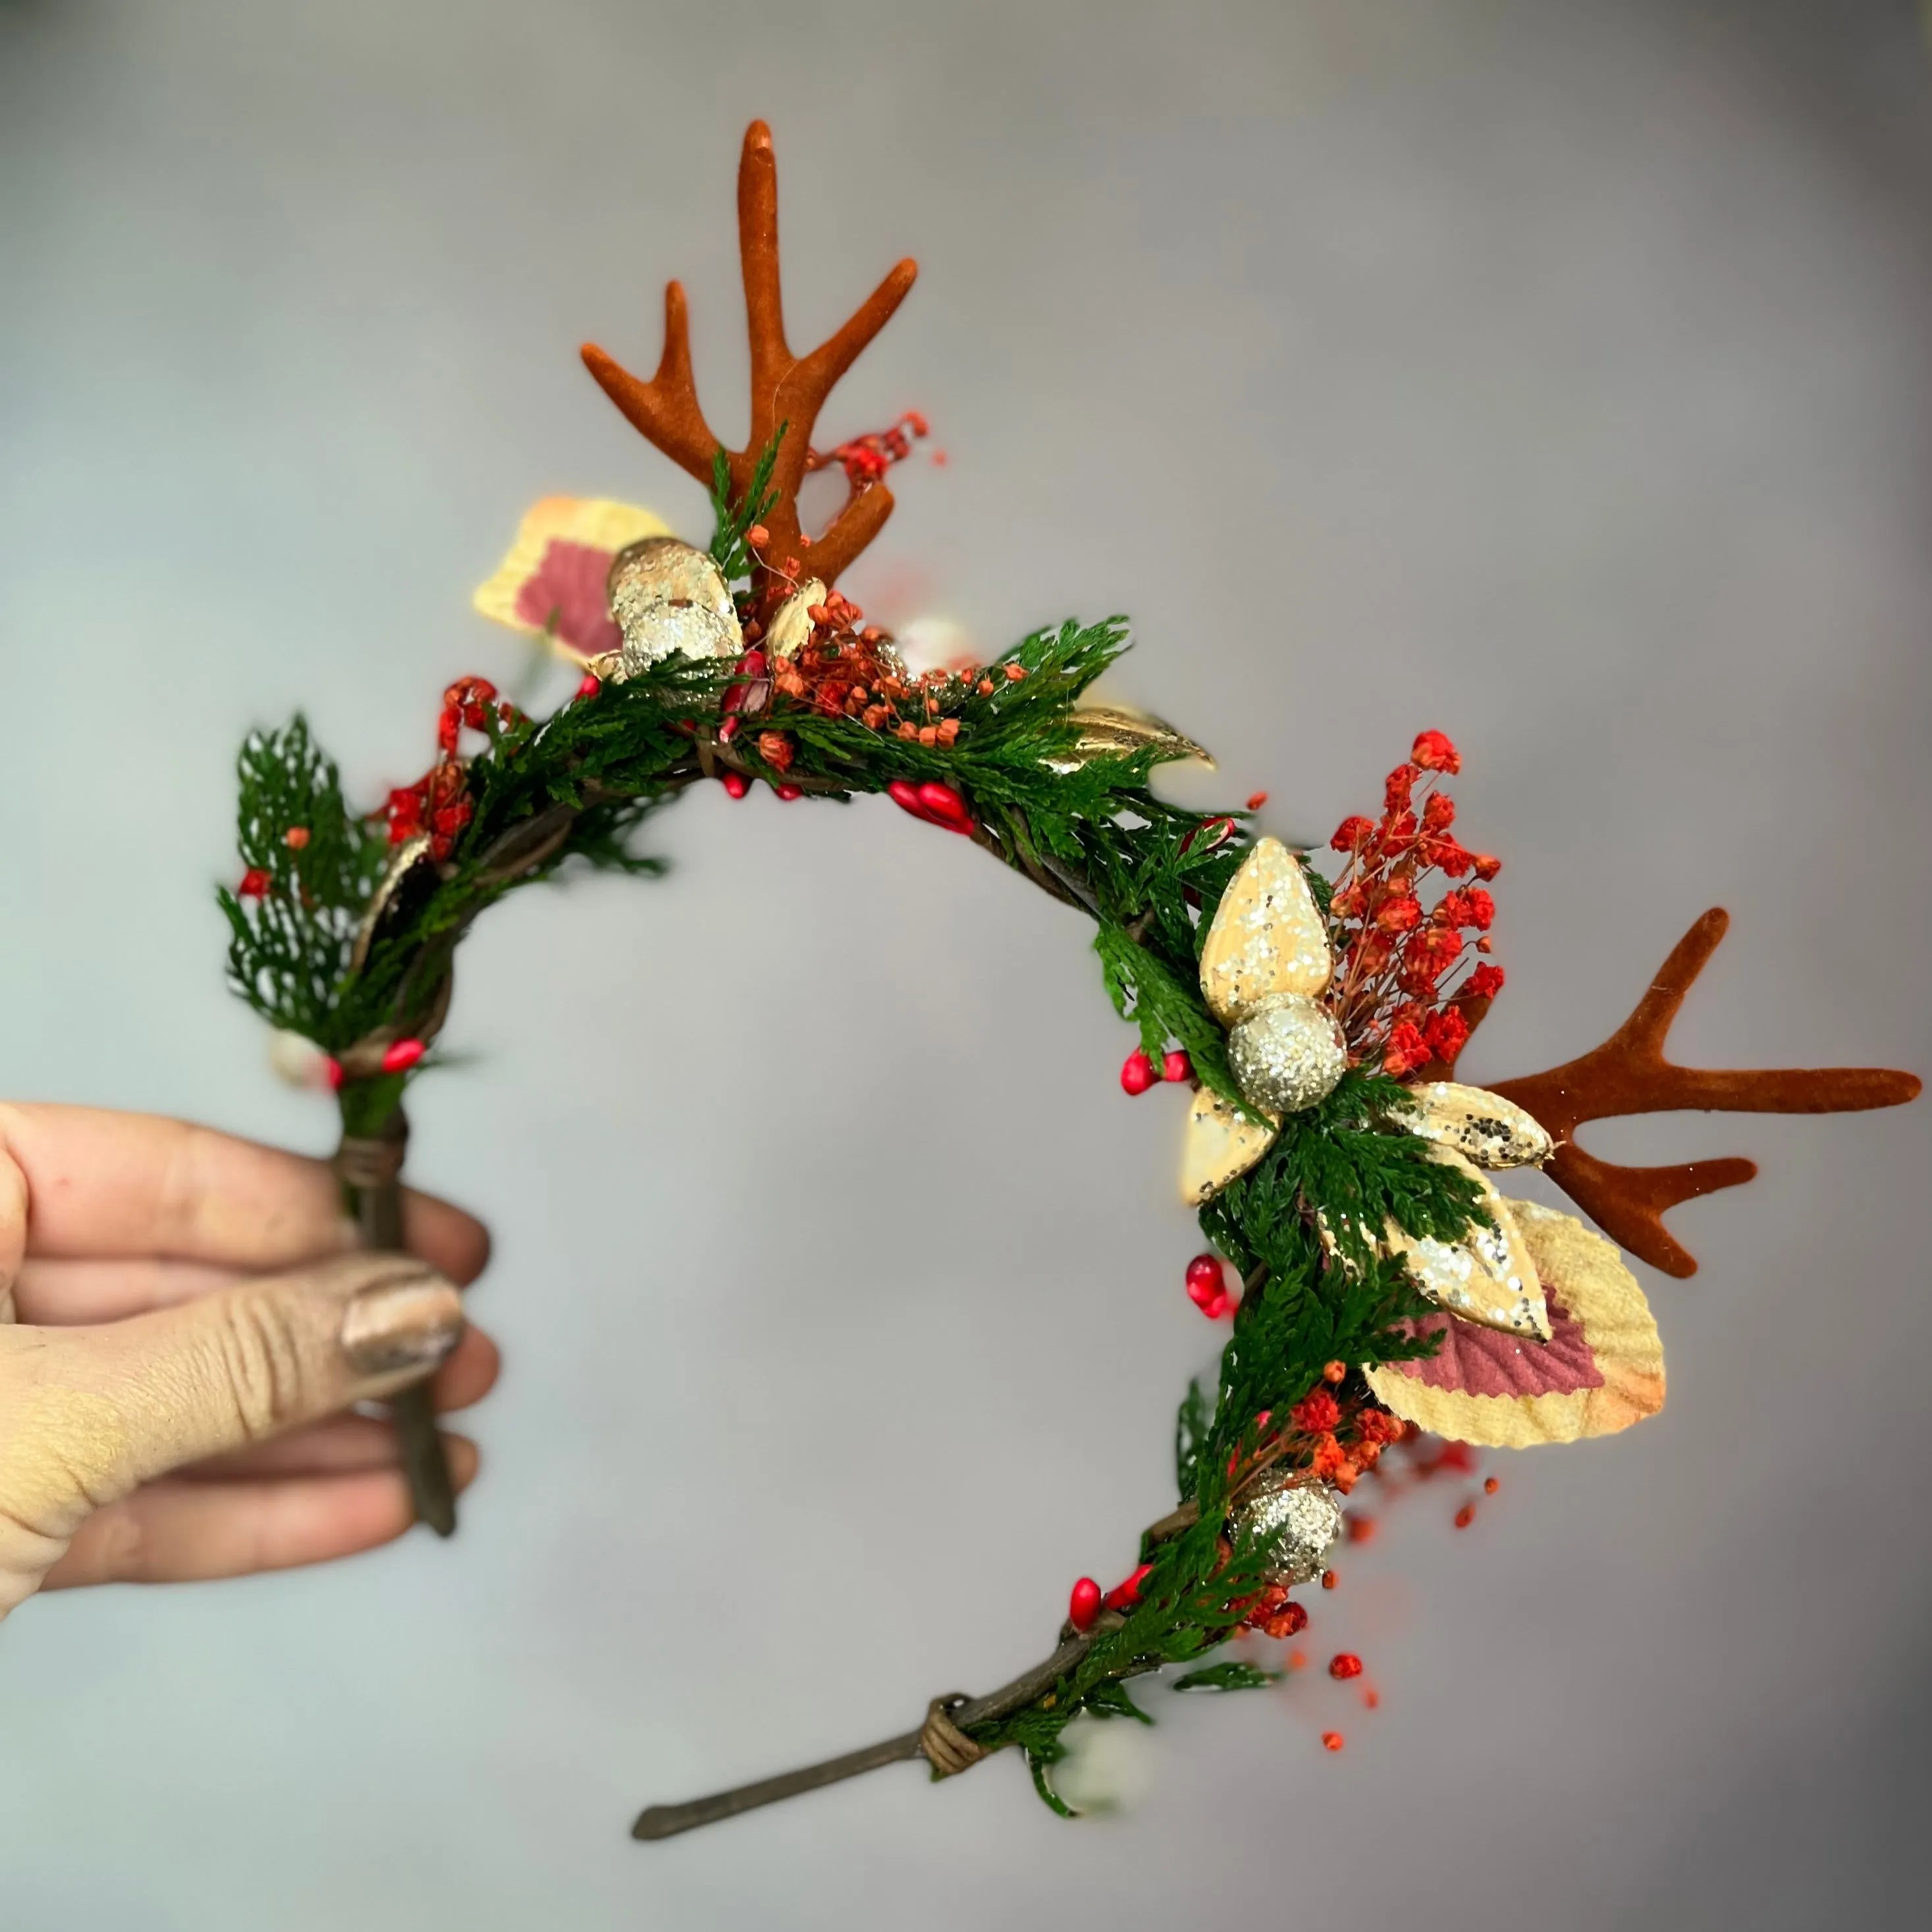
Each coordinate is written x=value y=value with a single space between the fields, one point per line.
x=90 y=1413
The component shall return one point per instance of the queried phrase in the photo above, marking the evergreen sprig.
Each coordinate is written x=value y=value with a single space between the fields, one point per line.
x=575 y=787
x=733 y=516
x=288 y=943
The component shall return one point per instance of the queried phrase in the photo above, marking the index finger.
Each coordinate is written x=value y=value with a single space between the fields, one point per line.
x=104 y=1186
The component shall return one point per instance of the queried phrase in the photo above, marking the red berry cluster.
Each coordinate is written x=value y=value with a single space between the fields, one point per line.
x=1138 y=1073
x=866 y=458
x=439 y=803
x=937 y=804
x=1208 y=1287
x=1401 y=964
x=1085 y=1601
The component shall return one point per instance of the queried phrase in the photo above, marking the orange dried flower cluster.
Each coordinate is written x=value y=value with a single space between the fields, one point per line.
x=846 y=668
x=1337 y=1438
x=1402 y=963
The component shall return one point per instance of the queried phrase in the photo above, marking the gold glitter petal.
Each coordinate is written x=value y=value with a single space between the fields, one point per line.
x=1268 y=937
x=1488 y=1277
x=1481 y=1126
x=1222 y=1144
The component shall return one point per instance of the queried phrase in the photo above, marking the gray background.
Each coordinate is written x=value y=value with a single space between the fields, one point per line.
x=1554 y=373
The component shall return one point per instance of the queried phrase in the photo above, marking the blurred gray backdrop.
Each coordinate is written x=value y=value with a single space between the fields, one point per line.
x=1555 y=372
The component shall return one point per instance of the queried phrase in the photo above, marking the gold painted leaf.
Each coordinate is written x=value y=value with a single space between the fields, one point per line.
x=1115 y=731
x=554 y=582
x=1601 y=1370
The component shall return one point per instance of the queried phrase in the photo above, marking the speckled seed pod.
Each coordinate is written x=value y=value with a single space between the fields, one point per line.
x=668 y=596
x=1297 y=1518
x=1287 y=1054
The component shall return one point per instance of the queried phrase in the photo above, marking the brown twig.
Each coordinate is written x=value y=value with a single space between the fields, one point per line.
x=370 y=1170
x=666 y=1821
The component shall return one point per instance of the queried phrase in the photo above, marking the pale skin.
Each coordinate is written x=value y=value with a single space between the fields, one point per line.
x=184 y=1320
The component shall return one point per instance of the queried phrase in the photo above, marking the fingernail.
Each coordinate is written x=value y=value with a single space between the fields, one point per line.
x=411 y=1323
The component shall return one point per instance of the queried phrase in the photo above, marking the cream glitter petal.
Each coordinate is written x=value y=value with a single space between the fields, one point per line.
x=1481 y=1126
x=1268 y=937
x=1597 y=1301
x=791 y=623
x=1222 y=1144
x=1488 y=1277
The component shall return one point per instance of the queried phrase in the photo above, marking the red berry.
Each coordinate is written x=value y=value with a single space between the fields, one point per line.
x=1490 y=1486
x=255 y=883
x=1465 y=1516
x=945 y=807
x=1331 y=1740
x=1176 y=1066
x=1124 y=1596
x=1221 y=1308
x=590 y=685
x=1083 y=1605
x=1330 y=1581
x=757 y=536
x=400 y=1055
x=332 y=1072
x=1137 y=1073
x=1293 y=1619
x=1345 y=1663
x=736 y=784
x=1256 y=800
x=1206 y=1281
x=727 y=731
x=295 y=838
x=789 y=792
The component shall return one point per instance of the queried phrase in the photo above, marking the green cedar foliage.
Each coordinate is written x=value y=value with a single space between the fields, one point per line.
x=1149 y=875
x=288 y=949
x=729 y=550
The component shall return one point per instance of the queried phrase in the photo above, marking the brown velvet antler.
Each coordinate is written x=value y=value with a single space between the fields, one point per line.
x=1628 y=1074
x=787 y=391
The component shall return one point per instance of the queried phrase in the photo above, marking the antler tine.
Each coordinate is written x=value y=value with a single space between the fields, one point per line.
x=772 y=358
x=664 y=410
x=788 y=391
x=1628 y=1074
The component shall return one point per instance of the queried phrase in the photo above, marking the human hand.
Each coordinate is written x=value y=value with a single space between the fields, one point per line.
x=182 y=1317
